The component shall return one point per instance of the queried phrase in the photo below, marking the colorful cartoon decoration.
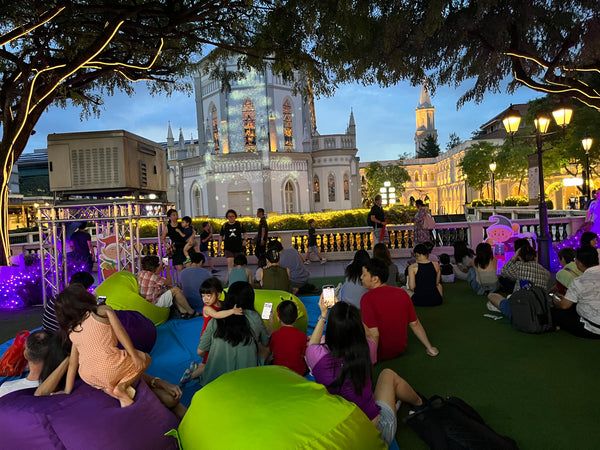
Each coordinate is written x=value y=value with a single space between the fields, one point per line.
x=108 y=255
x=502 y=234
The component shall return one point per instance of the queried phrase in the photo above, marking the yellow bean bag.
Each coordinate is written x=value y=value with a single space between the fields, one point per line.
x=122 y=293
x=271 y=407
x=262 y=296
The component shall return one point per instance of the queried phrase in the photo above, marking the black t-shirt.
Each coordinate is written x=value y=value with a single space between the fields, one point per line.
x=204 y=245
x=377 y=211
x=262 y=225
x=232 y=236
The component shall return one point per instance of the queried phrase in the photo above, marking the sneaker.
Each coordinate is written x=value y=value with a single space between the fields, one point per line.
x=491 y=307
x=415 y=409
x=187 y=260
x=307 y=262
x=187 y=375
x=323 y=260
x=214 y=271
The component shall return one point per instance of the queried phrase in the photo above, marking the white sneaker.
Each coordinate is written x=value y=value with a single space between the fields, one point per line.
x=491 y=307
x=307 y=262
x=323 y=260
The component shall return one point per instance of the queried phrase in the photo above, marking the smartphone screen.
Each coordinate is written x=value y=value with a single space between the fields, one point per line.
x=328 y=295
x=266 y=312
x=101 y=299
x=165 y=261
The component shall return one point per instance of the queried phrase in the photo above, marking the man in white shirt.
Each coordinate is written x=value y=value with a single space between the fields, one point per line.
x=578 y=311
x=36 y=349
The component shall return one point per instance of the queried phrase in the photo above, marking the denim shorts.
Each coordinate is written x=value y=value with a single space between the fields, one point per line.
x=387 y=422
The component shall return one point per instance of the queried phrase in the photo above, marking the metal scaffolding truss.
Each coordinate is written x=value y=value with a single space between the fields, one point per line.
x=119 y=218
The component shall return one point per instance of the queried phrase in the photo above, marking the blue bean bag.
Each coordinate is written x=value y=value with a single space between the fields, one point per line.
x=85 y=419
x=122 y=293
x=272 y=407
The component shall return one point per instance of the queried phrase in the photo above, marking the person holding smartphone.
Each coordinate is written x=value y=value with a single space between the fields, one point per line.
x=344 y=364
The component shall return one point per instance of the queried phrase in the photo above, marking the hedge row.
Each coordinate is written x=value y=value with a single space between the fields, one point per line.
x=334 y=219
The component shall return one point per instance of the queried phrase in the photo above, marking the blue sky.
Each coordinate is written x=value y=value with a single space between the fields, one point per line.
x=385 y=118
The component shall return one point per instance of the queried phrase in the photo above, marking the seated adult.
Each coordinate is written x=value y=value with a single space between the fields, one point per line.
x=291 y=259
x=380 y=251
x=233 y=341
x=49 y=322
x=352 y=290
x=424 y=279
x=569 y=271
x=578 y=311
x=274 y=276
x=343 y=363
x=36 y=349
x=463 y=260
x=483 y=276
x=524 y=270
x=589 y=238
x=192 y=277
x=159 y=290
x=387 y=311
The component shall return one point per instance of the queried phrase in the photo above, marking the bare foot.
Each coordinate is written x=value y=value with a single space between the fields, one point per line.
x=124 y=395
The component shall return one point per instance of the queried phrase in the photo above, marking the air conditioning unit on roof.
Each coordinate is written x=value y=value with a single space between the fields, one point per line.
x=106 y=163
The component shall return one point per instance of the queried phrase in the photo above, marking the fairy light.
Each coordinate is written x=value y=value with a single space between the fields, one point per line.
x=30 y=29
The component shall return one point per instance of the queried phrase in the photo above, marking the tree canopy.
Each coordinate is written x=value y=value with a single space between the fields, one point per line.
x=376 y=175
x=429 y=148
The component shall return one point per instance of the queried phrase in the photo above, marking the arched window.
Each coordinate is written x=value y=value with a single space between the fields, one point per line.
x=197 y=201
x=331 y=187
x=416 y=176
x=289 y=197
x=424 y=176
x=249 y=118
x=346 y=187
x=316 y=189
x=215 y=128
x=288 y=141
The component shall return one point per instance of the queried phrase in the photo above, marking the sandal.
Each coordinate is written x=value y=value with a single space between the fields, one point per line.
x=187 y=316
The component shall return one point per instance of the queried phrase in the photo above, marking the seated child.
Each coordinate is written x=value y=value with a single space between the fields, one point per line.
x=211 y=290
x=190 y=237
x=239 y=271
x=261 y=263
x=447 y=270
x=288 y=343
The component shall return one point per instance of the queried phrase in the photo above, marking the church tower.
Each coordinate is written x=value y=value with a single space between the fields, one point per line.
x=425 y=114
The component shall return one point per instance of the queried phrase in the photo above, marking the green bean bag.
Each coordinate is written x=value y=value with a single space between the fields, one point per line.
x=271 y=407
x=122 y=293
x=262 y=296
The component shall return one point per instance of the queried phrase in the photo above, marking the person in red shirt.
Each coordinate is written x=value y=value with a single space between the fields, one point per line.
x=387 y=311
x=288 y=343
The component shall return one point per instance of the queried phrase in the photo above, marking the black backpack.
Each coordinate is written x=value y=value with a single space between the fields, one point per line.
x=530 y=310
x=452 y=424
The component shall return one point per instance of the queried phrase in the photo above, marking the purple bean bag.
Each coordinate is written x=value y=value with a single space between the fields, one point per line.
x=140 y=329
x=87 y=418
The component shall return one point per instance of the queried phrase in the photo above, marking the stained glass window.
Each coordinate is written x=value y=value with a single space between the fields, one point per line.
x=215 y=128
x=288 y=141
x=346 y=187
x=317 y=189
x=249 y=118
x=331 y=187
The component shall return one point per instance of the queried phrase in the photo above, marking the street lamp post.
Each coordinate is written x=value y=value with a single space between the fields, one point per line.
x=562 y=116
x=493 y=170
x=587 y=142
x=388 y=194
x=466 y=187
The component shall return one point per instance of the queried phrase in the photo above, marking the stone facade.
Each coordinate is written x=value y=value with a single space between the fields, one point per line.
x=258 y=147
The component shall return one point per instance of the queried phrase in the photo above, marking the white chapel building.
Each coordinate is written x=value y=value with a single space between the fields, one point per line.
x=258 y=147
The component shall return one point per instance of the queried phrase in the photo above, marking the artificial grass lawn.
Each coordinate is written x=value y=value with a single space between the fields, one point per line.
x=541 y=390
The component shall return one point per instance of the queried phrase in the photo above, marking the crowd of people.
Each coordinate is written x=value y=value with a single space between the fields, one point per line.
x=367 y=323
